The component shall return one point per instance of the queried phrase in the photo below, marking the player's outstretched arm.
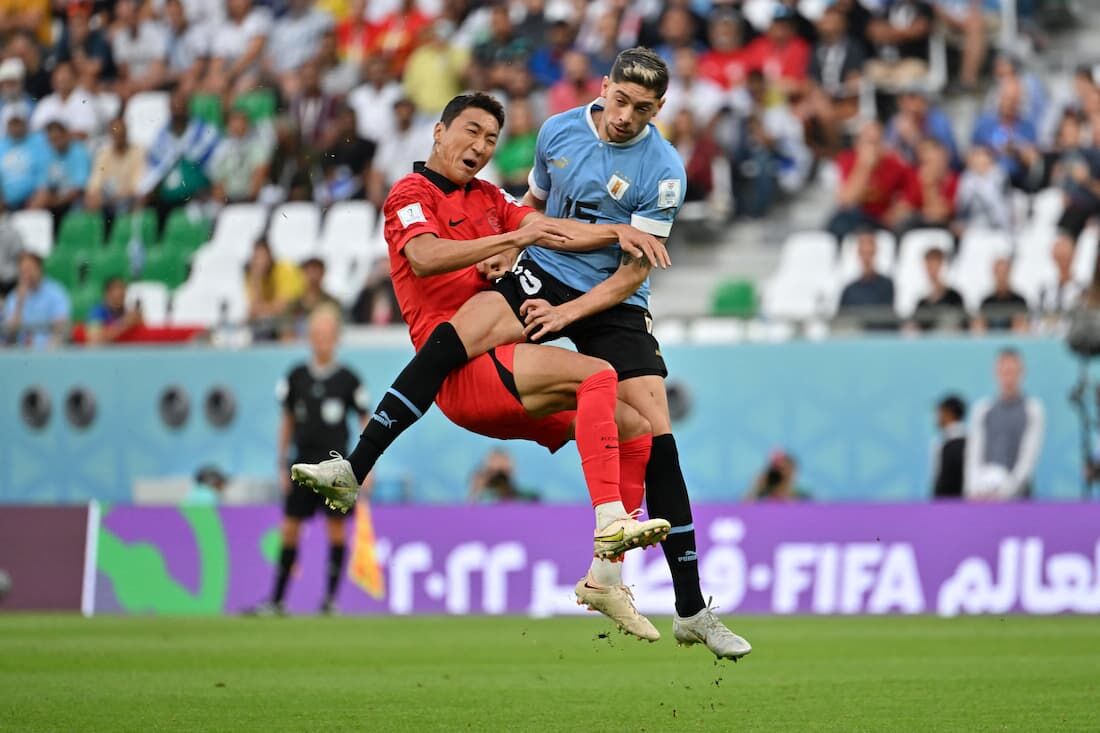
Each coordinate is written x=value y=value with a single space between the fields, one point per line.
x=587 y=237
x=429 y=254
x=541 y=318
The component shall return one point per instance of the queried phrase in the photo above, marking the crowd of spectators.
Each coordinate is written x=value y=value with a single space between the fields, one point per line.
x=327 y=101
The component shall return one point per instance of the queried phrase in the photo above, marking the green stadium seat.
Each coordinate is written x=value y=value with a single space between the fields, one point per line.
x=61 y=266
x=735 y=298
x=208 y=108
x=258 y=104
x=183 y=232
x=108 y=263
x=123 y=229
x=80 y=230
x=168 y=264
x=83 y=299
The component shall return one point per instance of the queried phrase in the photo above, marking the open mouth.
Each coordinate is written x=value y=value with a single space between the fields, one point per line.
x=621 y=131
x=470 y=163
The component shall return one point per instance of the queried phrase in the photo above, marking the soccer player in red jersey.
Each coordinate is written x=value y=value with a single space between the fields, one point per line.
x=440 y=223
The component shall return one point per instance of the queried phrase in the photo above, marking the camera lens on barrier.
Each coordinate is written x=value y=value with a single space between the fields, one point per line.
x=679 y=400
x=220 y=407
x=80 y=407
x=35 y=407
x=175 y=406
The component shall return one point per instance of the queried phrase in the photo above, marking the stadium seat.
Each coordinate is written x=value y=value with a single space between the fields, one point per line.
x=347 y=229
x=1034 y=239
x=208 y=108
x=143 y=224
x=167 y=265
x=82 y=300
x=736 y=298
x=146 y=114
x=794 y=299
x=259 y=105
x=237 y=228
x=80 y=230
x=716 y=331
x=293 y=231
x=35 y=227
x=1084 y=259
x=972 y=270
x=910 y=280
x=810 y=253
x=345 y=275
x=108 y=263
x=152 y=298
x=109 y=105
x=182 y=231
x=62 y=267
x=200 y=303
x=801 y=284
x=1047 y=206
x=217 y=268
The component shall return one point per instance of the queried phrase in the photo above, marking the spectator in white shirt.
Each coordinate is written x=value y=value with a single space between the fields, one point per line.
x=188 y=46
x=374 y=101
x=139 y=47
x=688 y=90
x=1059 y=295
x=69 y=103
x=237 y=46
x=295 y=38
x=405 y=145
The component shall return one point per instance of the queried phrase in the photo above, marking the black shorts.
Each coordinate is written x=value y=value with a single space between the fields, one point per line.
x=302 y=502
x=621 y=335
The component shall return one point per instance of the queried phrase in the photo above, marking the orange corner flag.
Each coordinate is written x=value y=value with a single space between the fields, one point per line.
x=364 y=570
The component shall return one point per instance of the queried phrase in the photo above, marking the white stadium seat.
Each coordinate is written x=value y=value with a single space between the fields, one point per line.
x=293 y=231
x=206 y=303
x=35 y=227
x=807 y=253
x=146 y=114
x=237 y=229
x=220 y=268
x=1084 y=259
x=347 y=229
x=801 y=285
x=1047 y=205
x=152 y=298
x=345 y=275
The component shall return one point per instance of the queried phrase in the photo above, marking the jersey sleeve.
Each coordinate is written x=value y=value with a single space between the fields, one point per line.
x=409 y=211
x=660 y=200
x=538 y=182
x=511 y=212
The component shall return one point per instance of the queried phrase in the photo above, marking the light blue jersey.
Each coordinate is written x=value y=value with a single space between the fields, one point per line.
x=640 y=182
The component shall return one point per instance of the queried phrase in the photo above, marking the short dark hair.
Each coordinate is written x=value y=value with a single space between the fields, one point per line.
x=1009 y=352
x=934 y=253
x=477 y=100
x=112 y=280
x=643 y=67
x=953 y=405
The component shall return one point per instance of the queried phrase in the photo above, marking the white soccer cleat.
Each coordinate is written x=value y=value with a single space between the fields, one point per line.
x=705 y=628
x=617 y=603
x=332 y=479
x=627 y=533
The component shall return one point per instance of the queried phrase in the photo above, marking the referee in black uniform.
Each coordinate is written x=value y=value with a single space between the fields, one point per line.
x=316 y=398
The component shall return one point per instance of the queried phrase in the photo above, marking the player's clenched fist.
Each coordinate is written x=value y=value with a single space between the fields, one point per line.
x=544 y=231
x=498 y=265
x=640 y=245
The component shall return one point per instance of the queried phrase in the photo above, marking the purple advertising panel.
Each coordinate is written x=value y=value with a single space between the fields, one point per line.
x=945 y=559
x=42 y=557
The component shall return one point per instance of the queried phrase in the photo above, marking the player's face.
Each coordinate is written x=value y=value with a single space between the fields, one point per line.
x=628 y=108
x=464 y=148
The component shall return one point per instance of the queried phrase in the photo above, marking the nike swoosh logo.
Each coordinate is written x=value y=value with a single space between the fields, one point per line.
x=453 y=223
x=617 y=537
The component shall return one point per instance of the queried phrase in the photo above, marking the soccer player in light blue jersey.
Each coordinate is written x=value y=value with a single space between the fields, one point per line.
x=605 y=164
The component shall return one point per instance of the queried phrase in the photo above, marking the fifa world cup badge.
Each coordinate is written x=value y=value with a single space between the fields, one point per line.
x=668 y=193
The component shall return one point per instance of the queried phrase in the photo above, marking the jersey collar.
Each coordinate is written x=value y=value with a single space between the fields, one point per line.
x=598 y=103
x=444 y=184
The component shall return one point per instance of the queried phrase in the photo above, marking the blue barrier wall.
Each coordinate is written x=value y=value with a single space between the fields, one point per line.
x=858 y=414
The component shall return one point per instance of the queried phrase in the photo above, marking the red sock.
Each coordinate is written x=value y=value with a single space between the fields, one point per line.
x=598 y=437
x=633 y=459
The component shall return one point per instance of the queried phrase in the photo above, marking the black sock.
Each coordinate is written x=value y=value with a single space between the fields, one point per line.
x=409 y=397
x=335 y=568
x=287 y=558
x=667 y=498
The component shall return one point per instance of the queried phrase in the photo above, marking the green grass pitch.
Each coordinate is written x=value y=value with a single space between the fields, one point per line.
x=61 y=673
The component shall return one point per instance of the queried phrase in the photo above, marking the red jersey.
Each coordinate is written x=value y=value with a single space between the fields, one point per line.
x=728 y=69
x=888 y=182
x=789 y=61
x=425 y=202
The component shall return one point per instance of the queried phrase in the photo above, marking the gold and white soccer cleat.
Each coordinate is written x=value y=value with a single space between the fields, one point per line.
x=617 y=603
x=332 y=479
x=627 y=533
x=705 y=628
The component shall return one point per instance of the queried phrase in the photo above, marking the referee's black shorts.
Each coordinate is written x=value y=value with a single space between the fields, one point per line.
x=621 y=335
x=302 y=502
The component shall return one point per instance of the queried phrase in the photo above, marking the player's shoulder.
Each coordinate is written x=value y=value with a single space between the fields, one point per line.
x=412 y=185
x=568 y=122
x=298 y=371
x=347 y=374
x=663 y=158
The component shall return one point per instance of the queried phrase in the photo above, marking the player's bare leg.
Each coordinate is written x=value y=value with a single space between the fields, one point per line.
x=667 y=497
